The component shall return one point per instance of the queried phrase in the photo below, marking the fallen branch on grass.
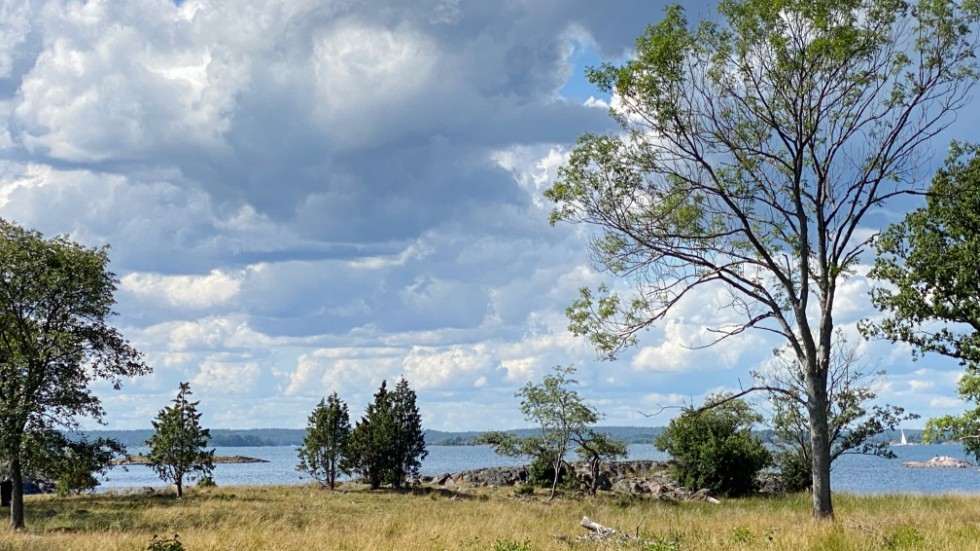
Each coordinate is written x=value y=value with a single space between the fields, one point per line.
x=602 y=533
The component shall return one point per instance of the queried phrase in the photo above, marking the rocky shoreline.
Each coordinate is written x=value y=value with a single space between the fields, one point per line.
x=640 y=477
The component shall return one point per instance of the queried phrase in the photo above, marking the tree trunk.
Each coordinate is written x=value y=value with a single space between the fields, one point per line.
x=819 y=444
x=17 y=494
x=554 y=481
x=180 y=486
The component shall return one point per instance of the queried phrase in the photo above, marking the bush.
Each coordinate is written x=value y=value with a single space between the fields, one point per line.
x=713 y=448
x=795 y=473
x=522 y=490
x=541 y=472
x=207 y=482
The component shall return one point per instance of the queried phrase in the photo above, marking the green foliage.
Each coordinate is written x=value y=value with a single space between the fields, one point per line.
x=663 y=543
x=742 y=536
x=177 y=448
x=713 y=447
x=169 y=544
x=325 y=445
x=541 y=471
x=752 y=147
x=522 y=490
x=852 y=421
x=594 y=448
x=905 y=538
x=71 y=464
x=81 y=461
x=929 y=261
x=387 y=445
x=56 y=300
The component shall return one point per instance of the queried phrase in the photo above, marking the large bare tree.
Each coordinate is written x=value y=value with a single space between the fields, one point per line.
x=752 y=150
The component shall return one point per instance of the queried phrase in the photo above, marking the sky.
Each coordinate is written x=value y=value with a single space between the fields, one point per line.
x=312 y=196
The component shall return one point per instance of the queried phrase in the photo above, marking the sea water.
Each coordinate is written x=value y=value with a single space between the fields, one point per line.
x=851 y=473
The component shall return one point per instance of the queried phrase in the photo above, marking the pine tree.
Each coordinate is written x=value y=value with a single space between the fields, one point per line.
x=325 y=444
x=177 y=448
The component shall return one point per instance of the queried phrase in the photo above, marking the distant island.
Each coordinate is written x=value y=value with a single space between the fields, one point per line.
x=140 y=459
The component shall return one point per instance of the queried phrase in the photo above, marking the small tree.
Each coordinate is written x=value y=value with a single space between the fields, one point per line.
x=930 y=261
x=713 y=447
x=853 y=425
x=325 y=444
x=594 y=448
x=388 y=444
x=177 y=448
x=563 y=419
x=71 y=464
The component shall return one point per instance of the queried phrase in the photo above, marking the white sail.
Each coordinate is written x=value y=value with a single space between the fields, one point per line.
x=904 y=441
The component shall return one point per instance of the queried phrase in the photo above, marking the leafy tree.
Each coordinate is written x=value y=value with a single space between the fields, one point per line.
x=713 y=447
x=595 y=447
x=388 y=444
x=930 y=262
x=56 y=300
x=177 y=448
x=325 y=444
x=563 y=418
x=71 y=464
x=853 y=425
x=752 y=149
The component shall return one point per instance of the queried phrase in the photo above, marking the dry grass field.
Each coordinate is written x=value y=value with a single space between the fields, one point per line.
x=308 y=518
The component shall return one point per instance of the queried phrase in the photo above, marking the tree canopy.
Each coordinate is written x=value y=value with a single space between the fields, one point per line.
x=751 y=150
x=932 y=300
x=56 y=299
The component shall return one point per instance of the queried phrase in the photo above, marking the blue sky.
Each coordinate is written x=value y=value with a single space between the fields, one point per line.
x=312 y=196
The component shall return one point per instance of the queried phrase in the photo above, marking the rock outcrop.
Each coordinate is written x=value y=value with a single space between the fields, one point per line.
x=941 y=461
x=642 y=477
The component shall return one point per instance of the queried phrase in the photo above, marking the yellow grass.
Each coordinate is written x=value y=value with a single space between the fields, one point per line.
x=306 y=517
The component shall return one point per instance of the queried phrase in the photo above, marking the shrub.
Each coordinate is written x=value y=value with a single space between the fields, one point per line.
x=713 y=447
x=794 y=471
x=522 y=490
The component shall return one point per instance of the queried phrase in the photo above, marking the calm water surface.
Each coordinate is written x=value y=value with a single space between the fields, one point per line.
x=852 y=473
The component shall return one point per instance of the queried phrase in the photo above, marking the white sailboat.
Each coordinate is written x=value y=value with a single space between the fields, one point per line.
x=904 y=442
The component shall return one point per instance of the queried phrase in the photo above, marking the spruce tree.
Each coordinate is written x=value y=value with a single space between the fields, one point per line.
x=177 y=447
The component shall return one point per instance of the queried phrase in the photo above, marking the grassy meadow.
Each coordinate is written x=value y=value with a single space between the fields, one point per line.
x=353 y=518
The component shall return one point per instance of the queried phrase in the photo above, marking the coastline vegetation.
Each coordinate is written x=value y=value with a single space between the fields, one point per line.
x=356 y=518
